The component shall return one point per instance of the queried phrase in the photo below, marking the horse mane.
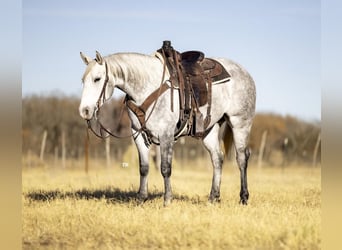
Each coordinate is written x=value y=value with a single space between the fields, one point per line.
x=131 y=67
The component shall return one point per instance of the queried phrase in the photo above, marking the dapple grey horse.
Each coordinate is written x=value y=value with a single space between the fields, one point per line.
x=138 y=75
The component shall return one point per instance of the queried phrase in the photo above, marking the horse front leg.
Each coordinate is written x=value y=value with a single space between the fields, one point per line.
x=143 y=152
x=166 y=149
x=212 y=144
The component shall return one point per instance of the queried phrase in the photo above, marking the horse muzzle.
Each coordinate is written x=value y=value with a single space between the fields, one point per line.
x=86 y=112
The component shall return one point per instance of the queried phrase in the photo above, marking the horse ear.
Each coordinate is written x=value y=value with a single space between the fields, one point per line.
x=99 y=58
x=86 y=59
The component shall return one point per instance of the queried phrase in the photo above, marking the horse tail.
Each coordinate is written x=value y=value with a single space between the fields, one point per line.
x=227 y=138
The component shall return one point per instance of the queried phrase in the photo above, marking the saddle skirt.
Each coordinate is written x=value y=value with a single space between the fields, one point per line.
x=200 y=71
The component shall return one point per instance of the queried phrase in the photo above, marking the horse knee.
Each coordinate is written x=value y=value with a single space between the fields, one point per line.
x=144 y=168
x=165 y=170
x=166 y=158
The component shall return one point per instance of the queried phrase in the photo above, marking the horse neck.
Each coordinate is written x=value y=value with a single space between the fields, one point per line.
x=135 y=74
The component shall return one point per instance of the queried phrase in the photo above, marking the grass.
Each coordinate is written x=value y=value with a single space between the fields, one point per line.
x=68 y=209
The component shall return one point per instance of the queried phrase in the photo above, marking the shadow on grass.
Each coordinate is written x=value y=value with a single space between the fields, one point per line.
x=111 y=195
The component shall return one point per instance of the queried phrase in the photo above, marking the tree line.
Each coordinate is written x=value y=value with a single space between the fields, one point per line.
x=287 y=139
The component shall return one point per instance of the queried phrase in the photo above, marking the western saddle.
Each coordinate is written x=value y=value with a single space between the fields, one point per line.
x=193 y=75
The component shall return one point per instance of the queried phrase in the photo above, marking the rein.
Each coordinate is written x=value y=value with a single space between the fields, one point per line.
x=139 y=111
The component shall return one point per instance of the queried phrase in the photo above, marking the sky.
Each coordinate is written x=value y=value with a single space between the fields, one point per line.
x=278 y=42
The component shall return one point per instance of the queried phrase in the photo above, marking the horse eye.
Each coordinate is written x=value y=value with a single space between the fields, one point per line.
x=97 y=79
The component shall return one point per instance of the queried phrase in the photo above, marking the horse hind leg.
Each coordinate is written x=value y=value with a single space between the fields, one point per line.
x=212 y=144
x=240 y=135
x=242 y=156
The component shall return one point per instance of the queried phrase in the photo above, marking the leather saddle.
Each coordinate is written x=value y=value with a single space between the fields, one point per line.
x=200 y=71
x=194 y=75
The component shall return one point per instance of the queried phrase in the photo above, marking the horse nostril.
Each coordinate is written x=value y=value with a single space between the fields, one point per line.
x=85 y=112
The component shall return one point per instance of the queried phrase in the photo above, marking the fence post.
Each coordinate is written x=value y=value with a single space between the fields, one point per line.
x=42 y=148
x=262 y=148
x=86 y=151
x=63 y=148
x=56 y=156
x=314 y=160
x=108 y=151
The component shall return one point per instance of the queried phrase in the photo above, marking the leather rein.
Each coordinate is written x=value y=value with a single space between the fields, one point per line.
x=139 y=111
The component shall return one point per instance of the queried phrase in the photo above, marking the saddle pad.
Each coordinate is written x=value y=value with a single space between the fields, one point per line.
x=200 y=87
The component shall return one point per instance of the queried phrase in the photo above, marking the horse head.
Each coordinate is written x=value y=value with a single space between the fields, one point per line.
x=97 y=87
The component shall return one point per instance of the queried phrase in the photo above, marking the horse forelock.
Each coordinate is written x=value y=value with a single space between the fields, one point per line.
x=88 y=69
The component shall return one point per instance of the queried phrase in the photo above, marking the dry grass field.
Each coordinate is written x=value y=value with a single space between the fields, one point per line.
x=68 y=209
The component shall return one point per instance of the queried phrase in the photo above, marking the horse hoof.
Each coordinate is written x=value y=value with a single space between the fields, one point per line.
x=167 y=202
x=244 y=202
x=142 y=198
x=214 y=200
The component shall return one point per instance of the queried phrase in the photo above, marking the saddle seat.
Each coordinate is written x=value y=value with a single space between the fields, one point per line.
x=192 y=56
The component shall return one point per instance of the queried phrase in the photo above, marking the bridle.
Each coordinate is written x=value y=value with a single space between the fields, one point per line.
x=103 y=91
x=102 y=96
x=98 y=103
